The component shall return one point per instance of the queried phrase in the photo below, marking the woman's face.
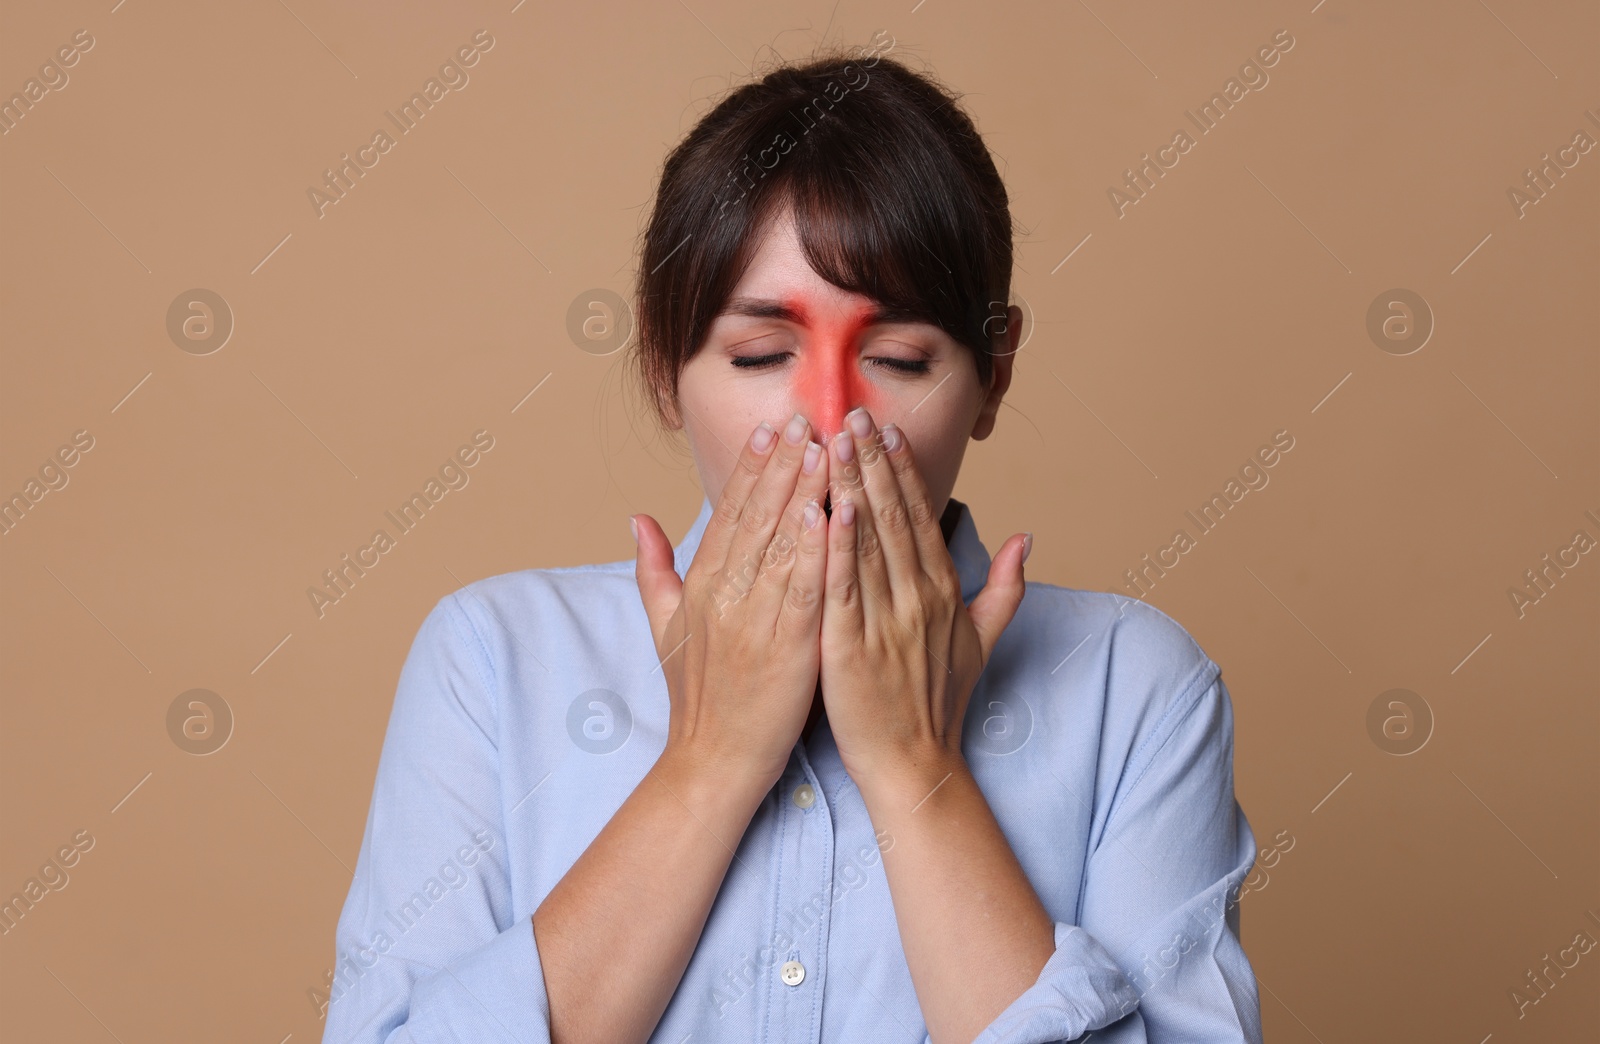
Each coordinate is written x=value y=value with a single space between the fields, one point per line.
x=788 y=341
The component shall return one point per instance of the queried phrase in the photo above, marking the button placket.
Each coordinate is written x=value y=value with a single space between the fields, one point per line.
x=804 y=894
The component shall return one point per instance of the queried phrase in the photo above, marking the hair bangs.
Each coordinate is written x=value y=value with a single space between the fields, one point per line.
x=893 y=194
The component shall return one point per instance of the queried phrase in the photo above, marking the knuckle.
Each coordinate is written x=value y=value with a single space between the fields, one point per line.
x=778 y=555
x=893 y=518
x=728 y=512
x=921 y=514
x=755 y=517
x=801 y=598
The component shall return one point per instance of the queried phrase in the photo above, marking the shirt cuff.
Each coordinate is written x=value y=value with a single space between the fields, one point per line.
x=496 y=992
x=1080 y=989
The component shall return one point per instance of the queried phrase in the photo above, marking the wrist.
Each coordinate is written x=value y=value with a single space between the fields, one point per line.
x=701 y=777
x=911 y=779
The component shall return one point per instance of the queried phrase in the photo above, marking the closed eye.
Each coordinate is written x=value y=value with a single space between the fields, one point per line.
x=761 y=362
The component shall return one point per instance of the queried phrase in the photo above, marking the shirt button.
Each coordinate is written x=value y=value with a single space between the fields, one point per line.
x=794 y=973
x=804 y=796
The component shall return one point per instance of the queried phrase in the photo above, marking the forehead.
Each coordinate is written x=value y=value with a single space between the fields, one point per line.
x=779 y=269
x=781 y=284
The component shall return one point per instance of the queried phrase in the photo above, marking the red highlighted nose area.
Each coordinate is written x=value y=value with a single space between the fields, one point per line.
x=829 y=382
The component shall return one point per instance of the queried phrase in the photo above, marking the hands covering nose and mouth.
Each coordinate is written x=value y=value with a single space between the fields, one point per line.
x=865 y=606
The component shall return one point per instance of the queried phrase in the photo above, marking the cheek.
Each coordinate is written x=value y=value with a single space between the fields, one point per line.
x=726 y=416
x=940 y=430
x=938 y=448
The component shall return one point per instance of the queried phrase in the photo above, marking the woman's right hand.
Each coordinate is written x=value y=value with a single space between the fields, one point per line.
x=739 y=637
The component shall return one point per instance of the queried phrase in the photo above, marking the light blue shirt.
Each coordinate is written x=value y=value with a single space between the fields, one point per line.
x=531 y=705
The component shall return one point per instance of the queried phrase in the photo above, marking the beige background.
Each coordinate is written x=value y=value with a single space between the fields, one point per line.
x=1169 y=343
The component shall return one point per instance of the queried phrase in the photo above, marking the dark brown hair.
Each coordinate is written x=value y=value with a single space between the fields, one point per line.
x=894 y=196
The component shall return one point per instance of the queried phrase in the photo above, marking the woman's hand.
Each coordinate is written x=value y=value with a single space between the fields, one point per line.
x=901 y=652
x=738 y=636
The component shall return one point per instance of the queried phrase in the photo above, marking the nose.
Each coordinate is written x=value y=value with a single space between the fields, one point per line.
x=829 y=384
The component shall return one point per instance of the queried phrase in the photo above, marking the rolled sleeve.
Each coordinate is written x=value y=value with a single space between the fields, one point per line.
x=1156 y=957
x=1079 y=989
x=429 y=949
x=494 y=993
x=1162 y=886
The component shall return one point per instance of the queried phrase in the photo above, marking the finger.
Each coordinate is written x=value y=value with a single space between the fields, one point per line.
x=995 y=606
x=845 y=481
x=660 y=588
x=925 y=528
x=888 y=516
x=801 y=612
x=764 y=510
x=843 y=616
x=784 y=553
x=723 y=525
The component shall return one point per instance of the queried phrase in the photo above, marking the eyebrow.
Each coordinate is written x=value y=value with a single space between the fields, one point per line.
x=764 y=308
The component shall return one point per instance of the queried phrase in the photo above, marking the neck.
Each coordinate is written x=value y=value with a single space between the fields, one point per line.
x=950 y=518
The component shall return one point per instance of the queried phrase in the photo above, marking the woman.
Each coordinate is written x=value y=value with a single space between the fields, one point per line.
x=824 y=770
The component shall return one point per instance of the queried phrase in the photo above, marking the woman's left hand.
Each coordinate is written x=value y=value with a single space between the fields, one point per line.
x=901 y=651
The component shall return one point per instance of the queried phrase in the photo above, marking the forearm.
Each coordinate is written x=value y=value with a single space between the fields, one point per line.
x=630 y=911
x=974 y=932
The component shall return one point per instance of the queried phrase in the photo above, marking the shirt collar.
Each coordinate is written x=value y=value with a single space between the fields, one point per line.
x=971 y=558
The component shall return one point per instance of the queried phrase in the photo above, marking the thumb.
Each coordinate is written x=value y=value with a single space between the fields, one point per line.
x=660 y=588
x=995 y=606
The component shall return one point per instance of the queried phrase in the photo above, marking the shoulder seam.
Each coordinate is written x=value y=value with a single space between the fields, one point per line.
x=1165 y=616
x=1180 y=708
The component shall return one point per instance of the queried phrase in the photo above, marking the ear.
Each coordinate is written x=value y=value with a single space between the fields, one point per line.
x=1004 y=355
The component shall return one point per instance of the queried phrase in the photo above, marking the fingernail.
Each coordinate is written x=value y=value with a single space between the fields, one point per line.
x=812 y=458
x=633 y=524
x=761 y=438
x=813 y=512
x=796 y=430
x=845 y=447
x=859 y=422
x=891 y=438
x=847 y=512
x=1027 y=545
